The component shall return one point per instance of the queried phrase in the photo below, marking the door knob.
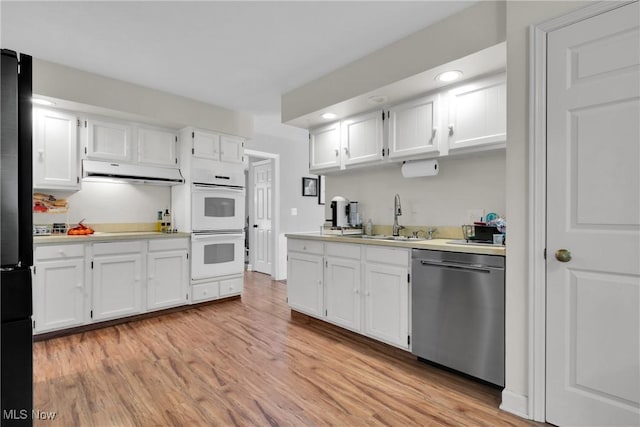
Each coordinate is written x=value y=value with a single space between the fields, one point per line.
x=563 y=255
x=255 y=225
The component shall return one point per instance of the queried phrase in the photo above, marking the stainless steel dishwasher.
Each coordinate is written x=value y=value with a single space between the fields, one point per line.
x=457 y=312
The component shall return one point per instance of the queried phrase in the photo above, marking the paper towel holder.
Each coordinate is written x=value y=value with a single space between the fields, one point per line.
x=419 y=168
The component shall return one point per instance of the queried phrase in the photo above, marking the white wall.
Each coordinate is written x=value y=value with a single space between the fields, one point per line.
x=475 y=28
x=463 y=183
x=99 y=202
x=115 y=96
x=294 y=158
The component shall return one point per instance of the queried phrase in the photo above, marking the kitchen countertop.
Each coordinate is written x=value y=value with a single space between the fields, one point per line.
x=434 y=244
x=100 y=236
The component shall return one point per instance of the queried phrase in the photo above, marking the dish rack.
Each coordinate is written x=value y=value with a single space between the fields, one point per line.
x=50 y=229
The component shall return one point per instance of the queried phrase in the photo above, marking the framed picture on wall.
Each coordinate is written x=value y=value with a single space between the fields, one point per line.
x=310 y=187
x=321 y=190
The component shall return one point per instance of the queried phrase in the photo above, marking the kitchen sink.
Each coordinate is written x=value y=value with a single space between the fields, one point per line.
x=399 y=238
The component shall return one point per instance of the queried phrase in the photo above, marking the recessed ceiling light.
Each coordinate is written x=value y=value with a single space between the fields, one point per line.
x=377 y=99
x=41 y=101
x=449 y=76
x=329 y=116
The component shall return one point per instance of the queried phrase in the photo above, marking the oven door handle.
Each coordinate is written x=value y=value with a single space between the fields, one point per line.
x=209 y=187
x=209 y=236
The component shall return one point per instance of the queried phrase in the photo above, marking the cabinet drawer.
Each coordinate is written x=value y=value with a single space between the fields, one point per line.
x=394 y=256
x=168 y=244
x=307 y=246
x=343 y=250
x=204 y=291
x=58 y=252
x=117 y=248
x=231 y=286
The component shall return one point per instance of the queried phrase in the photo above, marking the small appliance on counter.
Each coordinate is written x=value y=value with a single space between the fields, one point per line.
x=354 y=215
x=339 y=212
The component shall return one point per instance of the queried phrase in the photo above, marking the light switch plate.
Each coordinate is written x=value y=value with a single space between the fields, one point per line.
x=294 y=211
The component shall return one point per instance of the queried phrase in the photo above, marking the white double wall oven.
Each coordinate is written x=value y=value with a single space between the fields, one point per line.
x=217 y=222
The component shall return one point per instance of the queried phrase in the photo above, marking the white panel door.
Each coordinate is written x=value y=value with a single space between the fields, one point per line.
x=387 y=303
x=593 y=193
x=342 y=284
x=55 y=150
x=324 y=147
x=157 y=147
x=109 y=141
x=362 y=138
x=304 y=283
x=117 y=287
x=59 y=294
x=206 y=145
x=231 y=149
x=262 y=217
x=167 y=279
x=478 y=114
x=413 y=128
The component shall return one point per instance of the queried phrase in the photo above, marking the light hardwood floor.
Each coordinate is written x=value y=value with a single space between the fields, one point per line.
x=248 y=362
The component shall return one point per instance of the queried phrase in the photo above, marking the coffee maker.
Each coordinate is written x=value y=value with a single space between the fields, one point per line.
x=339 y=212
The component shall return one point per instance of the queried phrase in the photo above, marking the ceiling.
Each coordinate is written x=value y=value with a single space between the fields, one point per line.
x=236 y=54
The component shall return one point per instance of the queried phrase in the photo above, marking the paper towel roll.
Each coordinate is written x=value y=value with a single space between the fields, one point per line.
x=420 y=168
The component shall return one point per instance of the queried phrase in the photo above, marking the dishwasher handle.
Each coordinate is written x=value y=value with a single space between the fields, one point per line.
x=460 y=266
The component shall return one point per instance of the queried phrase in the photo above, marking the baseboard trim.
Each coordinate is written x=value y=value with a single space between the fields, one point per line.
x=515 y=403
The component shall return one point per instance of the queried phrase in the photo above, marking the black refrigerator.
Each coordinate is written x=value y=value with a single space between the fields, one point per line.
x=16 y=252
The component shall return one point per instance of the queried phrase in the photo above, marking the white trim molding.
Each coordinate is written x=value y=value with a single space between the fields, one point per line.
x=515 y=403
x=535 y=405
x=275 y=158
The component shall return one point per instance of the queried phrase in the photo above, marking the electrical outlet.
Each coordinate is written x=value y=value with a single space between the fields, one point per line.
x=294 y=211
x=476 y=214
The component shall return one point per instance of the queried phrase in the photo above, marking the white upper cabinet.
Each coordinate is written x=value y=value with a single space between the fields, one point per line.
x=413 y=128
x=55 y=150
x=225 y=148
x=157 y=147
x=231 y=149
x=206 y=145
x=324 y=147
x=362 y=138
x=107 y=140
x=478 y=115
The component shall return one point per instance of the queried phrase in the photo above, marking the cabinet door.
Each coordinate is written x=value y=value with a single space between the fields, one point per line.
x=304 y=283
x=413 y=128
x=324 y=147
x=362 y=138
x=117 y=287
x=342 y=284
x=387 y=304
x=58 y=297
x=231 y=149
x=55 y=150
x=109 y=141
x=157 y=147
x=478 y=115
x=167 y=279
x=206 y=145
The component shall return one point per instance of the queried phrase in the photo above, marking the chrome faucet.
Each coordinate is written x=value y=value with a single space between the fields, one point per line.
x=397 y=211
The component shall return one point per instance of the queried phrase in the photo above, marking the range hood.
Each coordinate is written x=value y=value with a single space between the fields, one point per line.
x=93 y=170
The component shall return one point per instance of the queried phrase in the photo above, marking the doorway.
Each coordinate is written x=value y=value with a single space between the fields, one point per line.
x=585 y=195
x=262 y=212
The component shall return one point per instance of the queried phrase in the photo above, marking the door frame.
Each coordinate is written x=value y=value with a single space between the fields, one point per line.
x=537 y=219
x=275 y=209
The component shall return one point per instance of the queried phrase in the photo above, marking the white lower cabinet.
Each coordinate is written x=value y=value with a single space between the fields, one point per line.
x=117 y=275
x=359 y=287
x=167 y=273
x=342 y=285
x=59 y=287
x=304 y=283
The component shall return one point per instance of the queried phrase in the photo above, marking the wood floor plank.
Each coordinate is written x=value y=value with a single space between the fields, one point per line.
x=248 y=362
